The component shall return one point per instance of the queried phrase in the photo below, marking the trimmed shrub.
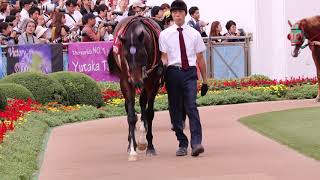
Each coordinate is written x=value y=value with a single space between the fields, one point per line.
x=81 y=88
x=3 y=101
x=303 y=92
x=12 y=91
x=44 y=88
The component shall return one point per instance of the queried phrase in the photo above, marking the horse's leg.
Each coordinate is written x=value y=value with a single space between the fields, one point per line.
x=142 y=143
x=316 y=59
x=129 y=95
x=150 y=149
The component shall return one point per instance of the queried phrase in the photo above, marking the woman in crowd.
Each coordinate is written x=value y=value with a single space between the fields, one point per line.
x=232 y=31
x=58 y=20
x=216 y=30
x=28 y=36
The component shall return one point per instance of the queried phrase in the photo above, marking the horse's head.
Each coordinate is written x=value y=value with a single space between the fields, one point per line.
x=135 y=54
x=296 y=37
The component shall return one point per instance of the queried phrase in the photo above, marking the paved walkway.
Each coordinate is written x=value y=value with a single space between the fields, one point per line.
x=96 y=150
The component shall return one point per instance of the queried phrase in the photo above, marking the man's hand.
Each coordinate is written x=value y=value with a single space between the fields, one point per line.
x=161 y=68
x=204 y=89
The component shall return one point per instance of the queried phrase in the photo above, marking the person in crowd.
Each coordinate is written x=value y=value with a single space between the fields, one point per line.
x=216 y=30
x=195 y=18
x=88 y=32
x=7 y=36
x=231 y=26
x=42 y=34
x=165 y=7
x=102 y=11
x=137 y=9
x=58 y=20
x=123 y=8
x=34 y=13
x=41 y=21
x=28 y=36
x=4 y=10
x=168 y=21
x=195 y=21
x=73 y=16
x=86 y=7
x=26 y=4
x=157 y=16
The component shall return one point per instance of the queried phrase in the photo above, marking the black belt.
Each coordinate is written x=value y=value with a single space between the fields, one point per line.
x=180 y=68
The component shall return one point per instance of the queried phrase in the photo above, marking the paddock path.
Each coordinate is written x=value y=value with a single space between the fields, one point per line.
x=96 y=150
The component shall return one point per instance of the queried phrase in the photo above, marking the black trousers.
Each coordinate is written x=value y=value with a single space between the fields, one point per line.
x=182 y=94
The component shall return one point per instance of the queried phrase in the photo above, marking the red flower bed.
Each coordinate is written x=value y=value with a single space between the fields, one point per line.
x=109 y=94
x=260 y=82
x=14 y=110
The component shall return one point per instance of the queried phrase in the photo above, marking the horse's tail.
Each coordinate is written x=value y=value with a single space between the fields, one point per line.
x=113 y=67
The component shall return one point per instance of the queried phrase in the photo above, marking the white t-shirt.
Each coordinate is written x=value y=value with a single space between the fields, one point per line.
x=77 y=16
x=24 y=14
x=169 y=44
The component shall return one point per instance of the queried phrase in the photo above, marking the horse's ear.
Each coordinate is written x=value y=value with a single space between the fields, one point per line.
x=289 y=22
x=141 y=36
x=122 y=39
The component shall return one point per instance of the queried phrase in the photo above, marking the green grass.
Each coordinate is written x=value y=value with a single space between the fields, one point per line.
x=298 y=128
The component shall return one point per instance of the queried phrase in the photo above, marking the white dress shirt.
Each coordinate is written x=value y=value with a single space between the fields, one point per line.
x=169 y=44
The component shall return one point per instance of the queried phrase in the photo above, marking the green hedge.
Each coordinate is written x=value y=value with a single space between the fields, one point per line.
x=3 y=101
x=12 y=91
x=303 y=92
x=81 y=88
x=44 y=88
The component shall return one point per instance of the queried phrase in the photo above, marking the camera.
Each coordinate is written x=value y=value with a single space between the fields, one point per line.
x=117 y=13
x=48 y=7
x=51 y=7
x=109 y=23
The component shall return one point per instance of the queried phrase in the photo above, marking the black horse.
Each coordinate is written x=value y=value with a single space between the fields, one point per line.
x=135 y=59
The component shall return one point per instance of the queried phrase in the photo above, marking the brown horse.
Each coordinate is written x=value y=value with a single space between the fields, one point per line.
x=307 y=28
x=135 y=59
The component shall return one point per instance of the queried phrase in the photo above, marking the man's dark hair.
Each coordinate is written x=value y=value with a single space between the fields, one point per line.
x=193 y=10
x=10 y=18
x=3 y=26
x=179 y=5
x=229 y=24
x=33 y=9
x=24 y=2
x=155 y=10
x=71 y=2
x=86 y=17
x=101 y=7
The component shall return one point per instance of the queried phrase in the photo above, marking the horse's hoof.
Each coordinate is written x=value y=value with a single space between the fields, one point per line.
x=132 y=158
x=142 y=147
x=317 y=99
x=151 y=152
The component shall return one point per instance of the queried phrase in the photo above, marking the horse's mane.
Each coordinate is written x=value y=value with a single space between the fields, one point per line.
x=311 y=26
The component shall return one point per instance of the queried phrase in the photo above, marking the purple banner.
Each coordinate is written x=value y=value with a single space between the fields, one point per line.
x=91 y=59
x=41 y=58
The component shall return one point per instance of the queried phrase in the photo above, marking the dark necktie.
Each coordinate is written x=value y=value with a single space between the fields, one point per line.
x=183 y=51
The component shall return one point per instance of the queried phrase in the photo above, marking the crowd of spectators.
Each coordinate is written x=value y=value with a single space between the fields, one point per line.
x=63 y=21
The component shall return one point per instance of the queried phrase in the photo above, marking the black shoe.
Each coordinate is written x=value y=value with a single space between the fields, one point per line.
x=182 y=151
x=197 y=150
